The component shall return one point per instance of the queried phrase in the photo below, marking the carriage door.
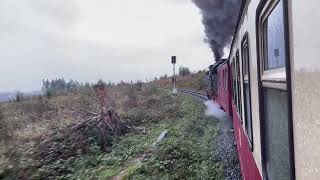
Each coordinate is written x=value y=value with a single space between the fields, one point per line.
x=275 y=94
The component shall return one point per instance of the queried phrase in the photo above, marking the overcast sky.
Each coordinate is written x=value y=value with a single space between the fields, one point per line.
x=90 y=39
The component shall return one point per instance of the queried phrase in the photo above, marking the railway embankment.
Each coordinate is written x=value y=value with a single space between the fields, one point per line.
x=224 y=143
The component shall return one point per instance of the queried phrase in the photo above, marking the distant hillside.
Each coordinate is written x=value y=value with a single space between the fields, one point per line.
x=194 y=81
x=6 y=96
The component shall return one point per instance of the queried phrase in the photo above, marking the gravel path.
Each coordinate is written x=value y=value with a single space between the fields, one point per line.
x=225 y=150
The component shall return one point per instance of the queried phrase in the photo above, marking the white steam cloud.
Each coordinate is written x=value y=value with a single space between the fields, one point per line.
x=213 y=109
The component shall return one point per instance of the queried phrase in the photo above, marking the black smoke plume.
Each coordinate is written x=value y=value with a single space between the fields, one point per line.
x=219 y=18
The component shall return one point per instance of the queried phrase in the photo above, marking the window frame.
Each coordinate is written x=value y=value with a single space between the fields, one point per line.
x=223 y=75
x=269 y=78
x=233 y=81
x=276 y=77
x=226 y=79
x=238 y=82
x=246 y=81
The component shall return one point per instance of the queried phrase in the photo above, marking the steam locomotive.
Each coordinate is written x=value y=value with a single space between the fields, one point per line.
x=270 y=86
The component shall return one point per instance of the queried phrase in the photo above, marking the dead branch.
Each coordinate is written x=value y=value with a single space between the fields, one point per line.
x=82 y=123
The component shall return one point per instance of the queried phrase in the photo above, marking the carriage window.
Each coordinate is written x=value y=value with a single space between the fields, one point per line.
x=233 y=81
x=274 y=30
x=219 y=80
x=247 y=90
x=226 y=80
x=223 y=77
x=276 y=133
x=222 y=84
x=277 y=162
x=239 y=103
x=245 y=60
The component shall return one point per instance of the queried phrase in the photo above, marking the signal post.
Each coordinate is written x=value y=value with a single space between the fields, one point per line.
x=173 y=61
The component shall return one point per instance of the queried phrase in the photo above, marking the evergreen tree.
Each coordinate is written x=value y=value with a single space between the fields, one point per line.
x=183 y=71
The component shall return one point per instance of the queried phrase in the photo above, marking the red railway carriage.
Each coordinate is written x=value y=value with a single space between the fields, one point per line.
x=261 y=92
x=224 y=86
x=230 y=99
x=248 y=165
x=272 y=90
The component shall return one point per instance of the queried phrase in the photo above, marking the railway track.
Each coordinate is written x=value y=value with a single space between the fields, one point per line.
x=194 y=93
x=201 y=96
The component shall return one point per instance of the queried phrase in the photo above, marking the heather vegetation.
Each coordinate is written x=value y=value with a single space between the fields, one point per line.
x=60 y=137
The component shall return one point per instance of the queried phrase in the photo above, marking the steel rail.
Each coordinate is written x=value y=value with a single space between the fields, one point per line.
x=194 y=93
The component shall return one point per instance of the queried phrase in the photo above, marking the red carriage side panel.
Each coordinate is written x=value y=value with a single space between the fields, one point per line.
x=249 y=168
x=224 y=88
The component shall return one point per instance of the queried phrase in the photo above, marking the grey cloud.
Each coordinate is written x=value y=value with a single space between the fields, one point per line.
x=63 y=12
x=38 y=41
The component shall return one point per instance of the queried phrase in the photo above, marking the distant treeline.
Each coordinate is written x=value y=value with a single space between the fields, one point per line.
x=61 y=85
x=183 y=71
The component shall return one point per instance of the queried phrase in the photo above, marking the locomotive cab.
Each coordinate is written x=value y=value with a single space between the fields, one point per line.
x=212 y=85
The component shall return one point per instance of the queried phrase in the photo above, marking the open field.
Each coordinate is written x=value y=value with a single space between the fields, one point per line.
x=184 y=153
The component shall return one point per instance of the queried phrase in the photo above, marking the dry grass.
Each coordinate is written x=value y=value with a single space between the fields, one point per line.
x=26 y=123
